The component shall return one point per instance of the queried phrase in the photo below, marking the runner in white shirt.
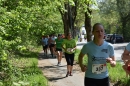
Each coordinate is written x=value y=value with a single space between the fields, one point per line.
x=99 y=52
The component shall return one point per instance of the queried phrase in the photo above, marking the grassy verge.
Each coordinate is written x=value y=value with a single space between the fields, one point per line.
x=24 y=70
x=117 y=74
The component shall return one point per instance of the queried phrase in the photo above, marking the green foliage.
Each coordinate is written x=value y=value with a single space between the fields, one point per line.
x=24 y=71
x=124 y=16
x=123 y=7
x=23 y=22
x=127 y=33
x=108 y=15
x=113 y=16
x=22 y=25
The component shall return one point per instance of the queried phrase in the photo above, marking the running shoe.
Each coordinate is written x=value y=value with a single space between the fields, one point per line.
x=59 y=63
x=67 y=74
x=70 y=74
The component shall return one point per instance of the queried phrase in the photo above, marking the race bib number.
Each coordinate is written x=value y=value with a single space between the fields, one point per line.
x=69 y=49
x=98 y=68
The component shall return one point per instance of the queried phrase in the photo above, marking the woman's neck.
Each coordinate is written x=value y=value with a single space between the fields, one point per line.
x=98 y=42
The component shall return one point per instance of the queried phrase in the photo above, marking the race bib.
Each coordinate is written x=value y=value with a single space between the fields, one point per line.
x=99 y=68
x=70 y=50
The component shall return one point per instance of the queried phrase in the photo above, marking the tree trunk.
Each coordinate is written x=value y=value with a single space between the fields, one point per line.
x=69 y=17
x=88 y=26
x=65 y=19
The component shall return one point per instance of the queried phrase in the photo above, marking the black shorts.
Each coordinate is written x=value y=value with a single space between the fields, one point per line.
x=45 y=47
x=96 y=82
x=57 y=49
x=51 y=45
x=69 y=58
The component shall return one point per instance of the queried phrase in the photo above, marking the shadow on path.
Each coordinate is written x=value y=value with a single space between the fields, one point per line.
x=55 y=78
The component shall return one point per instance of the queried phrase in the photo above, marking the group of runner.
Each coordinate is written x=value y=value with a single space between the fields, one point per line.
x=48 y=43
x=59 y=45
x=52 y=43
x=98 y=51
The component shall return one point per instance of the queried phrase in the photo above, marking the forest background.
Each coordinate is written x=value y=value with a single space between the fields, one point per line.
x=23 y=22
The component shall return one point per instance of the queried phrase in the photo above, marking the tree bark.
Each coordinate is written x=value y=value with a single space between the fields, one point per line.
x=69 y=17
x=88 y=26
x=65 y=19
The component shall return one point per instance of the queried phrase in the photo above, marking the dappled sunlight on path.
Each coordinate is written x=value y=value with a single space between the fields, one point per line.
x=56 y=74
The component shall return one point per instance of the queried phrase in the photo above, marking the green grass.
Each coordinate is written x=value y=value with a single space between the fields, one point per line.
x=25 y=71
x=77 y=54
x=116 y=74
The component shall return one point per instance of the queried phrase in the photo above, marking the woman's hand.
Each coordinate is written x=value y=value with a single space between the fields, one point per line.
x=72 y=50
x=109 y=60
x=83 y=68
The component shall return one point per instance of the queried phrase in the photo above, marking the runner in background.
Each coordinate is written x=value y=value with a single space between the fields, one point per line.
x=69 y=46
x=51 y=42
x=45 y=44
x=58 y=46
x=126 y=59
x=48 y=49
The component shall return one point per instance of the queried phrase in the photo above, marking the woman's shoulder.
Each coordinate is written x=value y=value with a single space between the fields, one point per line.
x=108 y=44
x=88 y=43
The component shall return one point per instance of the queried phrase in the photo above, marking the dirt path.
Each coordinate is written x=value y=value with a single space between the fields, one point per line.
x=56 y=74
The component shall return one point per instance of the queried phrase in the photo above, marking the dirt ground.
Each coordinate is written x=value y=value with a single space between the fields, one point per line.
x=56 y=74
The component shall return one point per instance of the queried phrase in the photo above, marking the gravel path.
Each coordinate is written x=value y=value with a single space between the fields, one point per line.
x=56 y=74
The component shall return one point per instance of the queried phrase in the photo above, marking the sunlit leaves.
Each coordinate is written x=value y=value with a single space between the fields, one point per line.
x=123 y=7
x=22 y=24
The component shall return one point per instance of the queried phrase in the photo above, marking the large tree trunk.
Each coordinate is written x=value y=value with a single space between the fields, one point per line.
x=66 y=24
x=88 y=26
x=69 y=17
x=65 y=19
x=72 y=12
